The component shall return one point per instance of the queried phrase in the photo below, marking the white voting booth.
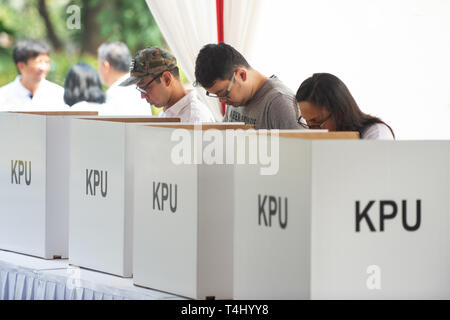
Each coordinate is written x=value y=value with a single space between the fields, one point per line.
x=34 y=187
x=183 y=213
x=348 y=219
x=102 y=191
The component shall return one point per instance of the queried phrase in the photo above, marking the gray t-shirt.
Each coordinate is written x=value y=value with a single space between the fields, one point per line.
x=272 y=107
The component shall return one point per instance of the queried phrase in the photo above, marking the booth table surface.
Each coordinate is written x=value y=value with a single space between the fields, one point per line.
x=28 y=278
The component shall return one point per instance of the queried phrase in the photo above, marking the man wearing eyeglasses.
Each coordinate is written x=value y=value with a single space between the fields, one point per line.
x=156 y=75
x=30 y=90
x=254 y=99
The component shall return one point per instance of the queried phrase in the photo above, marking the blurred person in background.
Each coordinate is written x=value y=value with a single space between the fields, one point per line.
x=83 y=89
x=30 y=90
x=114 y=61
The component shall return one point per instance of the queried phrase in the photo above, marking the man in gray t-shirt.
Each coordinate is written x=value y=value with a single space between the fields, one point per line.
x=251 y=97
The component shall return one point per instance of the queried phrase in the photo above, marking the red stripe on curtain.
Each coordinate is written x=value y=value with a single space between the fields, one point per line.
x=219 y=10
x=220 y=33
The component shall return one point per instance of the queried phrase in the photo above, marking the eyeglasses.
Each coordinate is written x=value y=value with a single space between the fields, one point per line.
x=144 y=89
x=211 y=95
x=301 y=121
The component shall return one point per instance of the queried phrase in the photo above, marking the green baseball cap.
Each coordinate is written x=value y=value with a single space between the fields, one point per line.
x=149 y=62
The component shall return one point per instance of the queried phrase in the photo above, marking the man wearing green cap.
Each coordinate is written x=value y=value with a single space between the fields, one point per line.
x=156 y=75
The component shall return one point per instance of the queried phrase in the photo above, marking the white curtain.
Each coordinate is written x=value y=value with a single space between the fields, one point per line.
x=187 y=26
x=241 y=23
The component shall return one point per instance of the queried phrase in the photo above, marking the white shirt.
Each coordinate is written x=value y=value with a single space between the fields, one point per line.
x=189 y=109
x=125 y=100
x=48 y=97
x=377 y=131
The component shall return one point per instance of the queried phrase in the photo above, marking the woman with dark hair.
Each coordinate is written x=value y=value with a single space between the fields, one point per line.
x=83 y=88
x=326 y=103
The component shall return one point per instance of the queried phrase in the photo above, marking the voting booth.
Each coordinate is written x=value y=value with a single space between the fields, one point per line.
x=346 y=219
x=184 y=210
x=102 y=191
x=34 y=182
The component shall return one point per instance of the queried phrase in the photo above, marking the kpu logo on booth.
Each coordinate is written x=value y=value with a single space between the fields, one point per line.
x=220 y=148
x=388 y=210
x=20 y=169
x=96 y=179
x=269 y=207
x=163 y=192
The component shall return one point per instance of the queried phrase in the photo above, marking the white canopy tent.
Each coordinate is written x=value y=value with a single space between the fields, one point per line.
x=393 y=55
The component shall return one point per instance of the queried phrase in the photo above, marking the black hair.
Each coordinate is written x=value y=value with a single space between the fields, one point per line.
x=175 y=73
x=217 y=61
x=117 y=55
x=27 y=49
x=328 y=91
x=83 y=84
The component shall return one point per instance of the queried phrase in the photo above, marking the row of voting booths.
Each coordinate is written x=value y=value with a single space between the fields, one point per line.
x=227 y=212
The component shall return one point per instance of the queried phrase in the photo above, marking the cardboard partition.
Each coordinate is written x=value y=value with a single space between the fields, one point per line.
x=311 y=134
x=102 y=191
x=345 y=219
x=58 y=113
x=34 y=183
x=183 y=230
x=122 y=119
x=206 y=126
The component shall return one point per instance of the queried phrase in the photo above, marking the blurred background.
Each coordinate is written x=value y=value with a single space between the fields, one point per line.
x=48 y=20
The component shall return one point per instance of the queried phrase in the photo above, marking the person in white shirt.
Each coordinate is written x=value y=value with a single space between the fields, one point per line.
x=114 y=61
x=30 y=90
x=83 y=89
x=156 y=75
x=189 y=109
x=326 y=103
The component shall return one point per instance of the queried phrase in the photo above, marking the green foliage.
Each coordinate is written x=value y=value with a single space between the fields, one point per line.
x=13 y=14
x=156 y=111
x=4 y=28
x=118 y=20
x=7 y=67
x=183 y=77
x=123 y=19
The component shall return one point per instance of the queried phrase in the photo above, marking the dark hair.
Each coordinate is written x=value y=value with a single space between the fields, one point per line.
x=328 y=91
x=27 y=49
x=117 y=54
x=175 y=73
x=217 y=61
x=83 y=84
